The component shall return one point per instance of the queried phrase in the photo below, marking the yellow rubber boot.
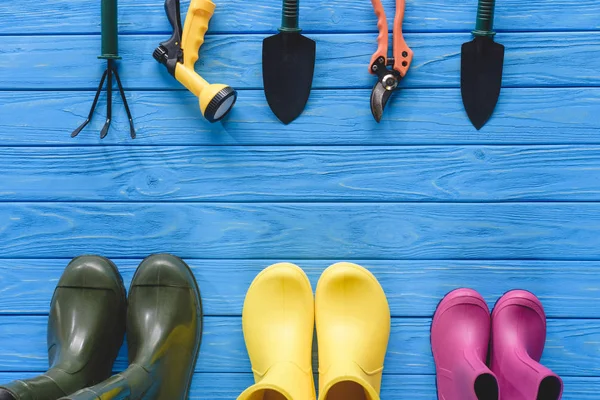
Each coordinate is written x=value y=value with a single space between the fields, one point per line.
x=353 y=329
x=278 y=323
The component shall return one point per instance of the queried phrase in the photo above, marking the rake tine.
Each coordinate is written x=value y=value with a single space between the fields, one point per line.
x=89 y=118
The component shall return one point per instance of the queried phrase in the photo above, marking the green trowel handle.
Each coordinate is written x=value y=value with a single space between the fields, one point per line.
x=485 y=18
x=110 y=30
x=289 y=19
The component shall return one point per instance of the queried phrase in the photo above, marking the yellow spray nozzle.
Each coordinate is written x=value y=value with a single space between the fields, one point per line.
x=180 y=53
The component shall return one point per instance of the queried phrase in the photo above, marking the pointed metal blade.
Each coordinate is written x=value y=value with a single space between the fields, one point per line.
x=379 y=98
x=288 y=69
x=482 y=62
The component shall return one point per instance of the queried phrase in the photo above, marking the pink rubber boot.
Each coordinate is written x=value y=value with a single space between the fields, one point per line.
x=518 y=338
x=460 y=335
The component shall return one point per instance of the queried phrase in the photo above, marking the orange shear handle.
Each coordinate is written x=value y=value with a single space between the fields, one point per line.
x=402 y=53
x=382 y=39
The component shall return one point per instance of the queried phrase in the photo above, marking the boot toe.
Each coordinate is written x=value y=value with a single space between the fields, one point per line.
x=462 y=298
x=520 y=298
x=164 y=270
x=91 y=272
x=461 y=321
x=278 y=314
x=345 y=286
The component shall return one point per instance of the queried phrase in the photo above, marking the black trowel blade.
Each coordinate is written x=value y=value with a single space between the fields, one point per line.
x=482 y=61
x=288 y=69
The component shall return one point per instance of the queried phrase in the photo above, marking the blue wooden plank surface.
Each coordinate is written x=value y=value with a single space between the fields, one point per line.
x=332 y=117
x=422 y=199
x=83 y=16
x=537 y=230
x=284 y=173
x=413 y=287
x=53 y=63
x=571 y=346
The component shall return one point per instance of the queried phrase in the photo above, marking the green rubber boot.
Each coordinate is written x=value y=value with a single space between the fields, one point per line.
x=164 y=327
x=86 y=328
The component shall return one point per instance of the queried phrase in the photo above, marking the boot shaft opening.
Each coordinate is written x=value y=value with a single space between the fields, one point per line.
x=347 y=390
x=550 y=389
x=486 y=387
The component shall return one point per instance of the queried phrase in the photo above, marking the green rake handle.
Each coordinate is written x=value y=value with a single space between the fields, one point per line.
x=110 y=30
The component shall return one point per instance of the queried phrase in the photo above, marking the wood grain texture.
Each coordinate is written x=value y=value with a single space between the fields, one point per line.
x=378 y=174
x=332 y=117
x=83 y=16
x=227 y=386
x=572 y=346
x=423 y=200
x=51 y=62
x=560 y=231
x=414 y=288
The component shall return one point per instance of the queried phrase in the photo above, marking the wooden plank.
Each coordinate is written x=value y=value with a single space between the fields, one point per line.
x=572 y=346
x=335 y=16
x=413 y=288
x=558 y=231
x=399 y=387
x=53 y=62
x=378 y=174
x=332 y=117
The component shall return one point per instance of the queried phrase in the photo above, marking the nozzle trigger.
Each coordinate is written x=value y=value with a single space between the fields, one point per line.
x=169 y=52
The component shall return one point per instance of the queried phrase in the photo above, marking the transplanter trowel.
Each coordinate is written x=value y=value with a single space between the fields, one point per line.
x=482 y=61
x=288 y=66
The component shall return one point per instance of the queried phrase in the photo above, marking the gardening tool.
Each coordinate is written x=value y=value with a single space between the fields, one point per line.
x=518 y=339
x=460 y=334
x=180 y=53
x=388 y=79
x=481 y=68
x=288 y=66
x=110 y=52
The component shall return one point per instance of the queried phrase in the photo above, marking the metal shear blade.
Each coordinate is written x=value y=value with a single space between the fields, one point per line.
x=379 y=98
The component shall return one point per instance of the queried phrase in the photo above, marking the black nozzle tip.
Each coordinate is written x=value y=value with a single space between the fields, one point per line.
x=221 y=104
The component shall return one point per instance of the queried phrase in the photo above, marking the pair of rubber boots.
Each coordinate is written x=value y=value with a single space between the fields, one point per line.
x=353 y=327
x=86 y=327
x=460 y=341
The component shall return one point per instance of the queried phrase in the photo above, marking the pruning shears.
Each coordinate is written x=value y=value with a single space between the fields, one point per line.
x=388 y=79
x=180 y=53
